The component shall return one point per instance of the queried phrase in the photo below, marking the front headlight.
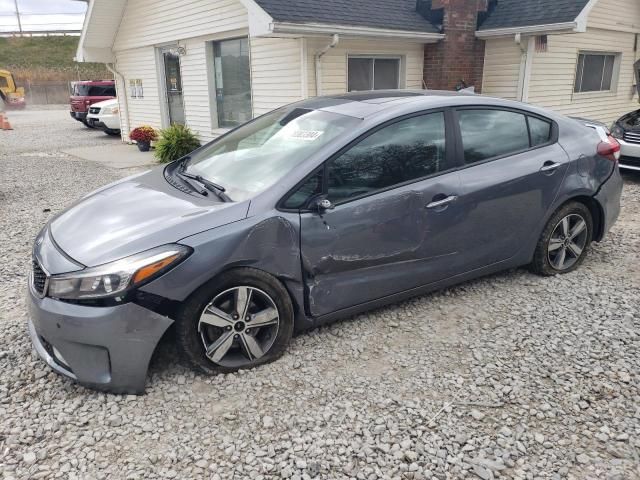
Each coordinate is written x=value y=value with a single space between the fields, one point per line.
x=617 y=131
x=116 y=278
x=113 y=110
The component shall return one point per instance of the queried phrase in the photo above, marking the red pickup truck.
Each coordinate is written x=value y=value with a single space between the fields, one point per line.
x=86 y=93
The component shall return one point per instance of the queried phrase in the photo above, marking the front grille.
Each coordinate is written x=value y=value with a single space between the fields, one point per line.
x=630 y=161
x=39 y=278
x=632 y=137
x=94 y=110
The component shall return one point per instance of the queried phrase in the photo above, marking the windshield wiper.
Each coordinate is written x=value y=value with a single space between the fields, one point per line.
x=209 y=185
x=193 y=187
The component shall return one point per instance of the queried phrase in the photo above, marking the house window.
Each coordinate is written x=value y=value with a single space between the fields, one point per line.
x=595 y=72
x=373 y=73
x=232 y=81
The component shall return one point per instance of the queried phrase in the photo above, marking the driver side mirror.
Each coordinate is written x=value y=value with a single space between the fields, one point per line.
x=323 y=204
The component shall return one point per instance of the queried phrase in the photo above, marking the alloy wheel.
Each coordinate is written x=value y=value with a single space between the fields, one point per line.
x=239 y=326
x=567 y=242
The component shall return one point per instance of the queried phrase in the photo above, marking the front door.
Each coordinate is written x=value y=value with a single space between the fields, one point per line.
x=173 y=82
x=394 y=221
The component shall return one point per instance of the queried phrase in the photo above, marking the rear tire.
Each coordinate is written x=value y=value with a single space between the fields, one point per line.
x=112 y=133
x=196 y=337
x=565 y=240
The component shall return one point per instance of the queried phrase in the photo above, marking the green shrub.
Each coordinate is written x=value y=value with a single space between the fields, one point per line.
x=175 y=142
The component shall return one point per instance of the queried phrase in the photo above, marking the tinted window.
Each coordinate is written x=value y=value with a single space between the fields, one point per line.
x=95 y=91
x=492 y=133
x=540 y=131
x=404 y=151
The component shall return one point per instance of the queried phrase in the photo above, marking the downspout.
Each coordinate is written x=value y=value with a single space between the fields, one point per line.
x=526 y=63
x=318 y=58
x=115 y=72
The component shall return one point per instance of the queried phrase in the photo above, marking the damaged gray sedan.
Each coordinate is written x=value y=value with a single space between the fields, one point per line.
x=310 y=213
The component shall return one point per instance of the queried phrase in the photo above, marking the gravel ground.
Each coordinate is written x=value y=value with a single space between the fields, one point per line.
x=510 y=376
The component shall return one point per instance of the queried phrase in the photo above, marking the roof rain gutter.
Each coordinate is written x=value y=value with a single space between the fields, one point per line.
x=352 y=31
x=530 y=29
x=334 y=41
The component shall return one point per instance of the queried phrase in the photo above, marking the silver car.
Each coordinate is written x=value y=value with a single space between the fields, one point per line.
x=313 y=212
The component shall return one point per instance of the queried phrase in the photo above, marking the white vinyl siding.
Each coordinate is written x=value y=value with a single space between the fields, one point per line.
x=618 y=15
x=501 y=68
x=139 y=63
x=276 y=72
x=334 y=62
x=197 y=96
x=152 y=22
x=553 y=75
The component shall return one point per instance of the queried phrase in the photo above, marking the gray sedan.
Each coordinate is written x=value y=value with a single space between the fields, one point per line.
x=313 y=212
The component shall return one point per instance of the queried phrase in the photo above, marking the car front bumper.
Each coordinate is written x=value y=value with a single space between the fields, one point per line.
x=106 y=348
x=104 y=121
x=80 y=116
x=630 y=155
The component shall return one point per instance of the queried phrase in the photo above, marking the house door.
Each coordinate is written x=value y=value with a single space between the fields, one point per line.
x=173 y=82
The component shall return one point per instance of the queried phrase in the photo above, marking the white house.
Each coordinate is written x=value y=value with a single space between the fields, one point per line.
x=214 y=64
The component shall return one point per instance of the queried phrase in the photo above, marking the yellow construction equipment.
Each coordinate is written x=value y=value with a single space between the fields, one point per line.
x=14 y=95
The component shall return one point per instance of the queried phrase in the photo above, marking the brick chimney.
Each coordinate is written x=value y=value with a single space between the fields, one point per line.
x=460 y=55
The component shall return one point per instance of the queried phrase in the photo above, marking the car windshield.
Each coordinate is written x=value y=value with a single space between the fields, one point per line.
x=84 y=90
x=255 y=156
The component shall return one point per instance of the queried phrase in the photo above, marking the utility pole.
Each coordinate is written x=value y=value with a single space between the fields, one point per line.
x=18 y=16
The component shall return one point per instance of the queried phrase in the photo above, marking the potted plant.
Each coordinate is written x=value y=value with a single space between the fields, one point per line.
x=143 y=136
x=175 y=142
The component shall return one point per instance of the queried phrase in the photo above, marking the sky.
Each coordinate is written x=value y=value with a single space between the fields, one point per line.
x=42 y=15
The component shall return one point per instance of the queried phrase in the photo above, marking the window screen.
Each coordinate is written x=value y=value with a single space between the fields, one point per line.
x=491 y=133
x=373 y=73
x=406 y=150
x=594 y=72
x=233 y=82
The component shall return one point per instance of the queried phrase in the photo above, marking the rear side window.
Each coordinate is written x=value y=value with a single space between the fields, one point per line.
x=540 y=131
x=495 y=133
x=492 y=133
x=102 y=91
x=403 y=151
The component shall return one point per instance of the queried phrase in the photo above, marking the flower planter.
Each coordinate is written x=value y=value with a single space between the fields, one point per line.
x=143 y=146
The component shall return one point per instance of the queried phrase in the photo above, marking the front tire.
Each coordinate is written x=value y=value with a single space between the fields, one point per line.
x=565 y=241
x=239 y=320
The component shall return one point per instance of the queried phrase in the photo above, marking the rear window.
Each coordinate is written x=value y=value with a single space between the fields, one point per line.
x=94 y=90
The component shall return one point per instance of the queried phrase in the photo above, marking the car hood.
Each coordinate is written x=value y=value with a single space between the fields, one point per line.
x=134 y=215
x=113 y=102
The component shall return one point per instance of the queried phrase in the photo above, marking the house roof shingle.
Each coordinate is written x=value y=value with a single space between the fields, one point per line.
x=390 y=14
x=522 y=13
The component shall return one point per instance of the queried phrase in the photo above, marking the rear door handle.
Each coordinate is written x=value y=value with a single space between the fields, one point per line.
x=549 y=167
x=443 y=202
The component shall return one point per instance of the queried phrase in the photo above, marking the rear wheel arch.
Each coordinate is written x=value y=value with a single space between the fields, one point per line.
x=597 y=214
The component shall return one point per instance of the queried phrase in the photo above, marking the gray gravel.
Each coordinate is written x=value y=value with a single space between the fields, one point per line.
x=510 y=376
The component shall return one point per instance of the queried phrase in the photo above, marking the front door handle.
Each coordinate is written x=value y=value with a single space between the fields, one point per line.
x=443 y=202
x=549 y=167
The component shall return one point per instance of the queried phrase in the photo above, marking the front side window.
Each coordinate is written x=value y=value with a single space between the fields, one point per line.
x=403 y=151
x=3 y=82
x=233 y=82
x=255 y=156
x=595 y=72
x=373 y=73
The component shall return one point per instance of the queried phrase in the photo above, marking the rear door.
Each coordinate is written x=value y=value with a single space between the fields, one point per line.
x=394 y=215
x=514 y=168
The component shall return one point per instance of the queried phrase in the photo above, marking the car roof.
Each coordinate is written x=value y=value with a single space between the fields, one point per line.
x=368 y=104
